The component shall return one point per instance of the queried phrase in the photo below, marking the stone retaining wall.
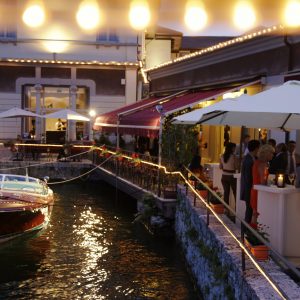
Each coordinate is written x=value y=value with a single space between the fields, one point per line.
x=214 y=257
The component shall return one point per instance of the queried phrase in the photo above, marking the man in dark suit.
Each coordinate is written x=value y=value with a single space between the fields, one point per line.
x=247 y=178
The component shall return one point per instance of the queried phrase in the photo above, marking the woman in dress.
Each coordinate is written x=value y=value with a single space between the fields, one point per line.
x=229 y=165
x=260 y=175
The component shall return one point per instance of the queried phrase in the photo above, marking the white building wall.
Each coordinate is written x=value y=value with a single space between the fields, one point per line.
x=31 y=44
x=157 y=52
x=131 y=86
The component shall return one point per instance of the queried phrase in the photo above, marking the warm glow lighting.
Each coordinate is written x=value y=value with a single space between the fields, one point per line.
x=92 y=113
x=231 y=95
x=34 y=16
x=244 y=15
x=195 y=16
x=139 y=14
x=88 y=15
x=292 y=13
x=57 y=41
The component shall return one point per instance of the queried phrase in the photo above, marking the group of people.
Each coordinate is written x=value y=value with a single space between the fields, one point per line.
x=258 y=162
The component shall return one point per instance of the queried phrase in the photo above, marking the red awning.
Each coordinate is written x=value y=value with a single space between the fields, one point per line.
x=142 y=118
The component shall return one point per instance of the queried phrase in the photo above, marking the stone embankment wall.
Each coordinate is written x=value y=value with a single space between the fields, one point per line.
x=214 y=258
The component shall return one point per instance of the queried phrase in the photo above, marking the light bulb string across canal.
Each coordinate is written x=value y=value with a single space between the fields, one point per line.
x=81 y=175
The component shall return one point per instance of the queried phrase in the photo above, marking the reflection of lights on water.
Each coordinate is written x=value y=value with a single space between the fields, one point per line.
x=92 y=238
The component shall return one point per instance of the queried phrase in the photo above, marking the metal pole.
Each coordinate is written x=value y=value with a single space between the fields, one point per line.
x=159 y=153
x=160 y=139
x=118 y=135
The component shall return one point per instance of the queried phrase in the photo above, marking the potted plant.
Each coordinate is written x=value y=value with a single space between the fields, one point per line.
x=215 y=203
x=256 y=247
x=119 y=155
x=202 y=190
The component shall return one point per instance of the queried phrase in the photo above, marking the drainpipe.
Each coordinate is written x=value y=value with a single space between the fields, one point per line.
x=289 y=46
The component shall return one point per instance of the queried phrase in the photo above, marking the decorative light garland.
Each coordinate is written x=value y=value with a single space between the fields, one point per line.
x=218 y=46
x=69 y=62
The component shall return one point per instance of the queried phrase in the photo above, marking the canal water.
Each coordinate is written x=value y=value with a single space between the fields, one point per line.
x=93 y=250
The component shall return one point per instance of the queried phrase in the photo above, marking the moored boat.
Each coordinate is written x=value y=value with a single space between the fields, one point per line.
x=25 y=205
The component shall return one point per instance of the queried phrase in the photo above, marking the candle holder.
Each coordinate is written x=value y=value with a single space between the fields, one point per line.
x=280 y=180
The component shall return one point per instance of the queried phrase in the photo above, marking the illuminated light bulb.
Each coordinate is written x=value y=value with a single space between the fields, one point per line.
x=139 y=14
x=88 y=15
x=195 y=16
x=92 y=113
x=57 y=40
x=292 y=13
x=244 y=15
x=34 y=16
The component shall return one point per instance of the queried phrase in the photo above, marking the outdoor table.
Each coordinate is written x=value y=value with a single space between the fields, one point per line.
x=279 y=211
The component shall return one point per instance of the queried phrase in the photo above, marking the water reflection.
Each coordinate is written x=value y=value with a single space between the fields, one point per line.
x=92 y=250
x=91 y=232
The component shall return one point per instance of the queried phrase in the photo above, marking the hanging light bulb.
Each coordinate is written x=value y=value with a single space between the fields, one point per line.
x=56 y=40
x=139 y=14
x=244 y=15
x=195 y=15
x=292 y=13
x=34 y=15
x=88 y=15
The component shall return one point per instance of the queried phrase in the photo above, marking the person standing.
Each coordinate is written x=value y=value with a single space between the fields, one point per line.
x=291 y=161
x=243 y=148
x=228 y=165
x=59 y=125
x=260 y=175
x=247 y=178
x=280 y=160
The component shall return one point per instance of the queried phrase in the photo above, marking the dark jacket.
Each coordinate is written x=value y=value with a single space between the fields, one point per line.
x=246 y=177
x=278 y=163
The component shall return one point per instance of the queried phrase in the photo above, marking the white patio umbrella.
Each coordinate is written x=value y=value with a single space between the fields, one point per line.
x=67 y=114
x=278 y=107
x=16 y=112
x=195 y=116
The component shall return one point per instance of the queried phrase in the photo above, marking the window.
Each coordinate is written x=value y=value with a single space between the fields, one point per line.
x=108 y=35
x=8 y=33
x=9 y=17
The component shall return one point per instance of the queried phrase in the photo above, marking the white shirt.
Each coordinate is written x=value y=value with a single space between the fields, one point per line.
x=230 y=165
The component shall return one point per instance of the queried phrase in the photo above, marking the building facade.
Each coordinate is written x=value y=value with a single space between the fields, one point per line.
x=61 y=66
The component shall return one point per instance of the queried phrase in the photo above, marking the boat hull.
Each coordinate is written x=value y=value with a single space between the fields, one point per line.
x=23 y=221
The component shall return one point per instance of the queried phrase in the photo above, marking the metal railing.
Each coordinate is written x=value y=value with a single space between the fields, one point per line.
x=245 y=227
x=141 y=170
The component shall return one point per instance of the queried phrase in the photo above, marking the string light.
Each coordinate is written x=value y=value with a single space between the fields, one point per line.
x=244 y=15
x=88 y=15
x=109 y=63
x=34 y=16
x=139 y=14
x=219 y=46
x=195 y=15
x=292 y=13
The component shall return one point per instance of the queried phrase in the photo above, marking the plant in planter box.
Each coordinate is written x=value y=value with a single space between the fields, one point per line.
x=119 y=155
x=202 y=189
x=256 y=247
x=215 y=203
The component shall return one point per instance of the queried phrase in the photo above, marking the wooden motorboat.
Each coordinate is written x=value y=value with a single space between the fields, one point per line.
x=25 y=205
